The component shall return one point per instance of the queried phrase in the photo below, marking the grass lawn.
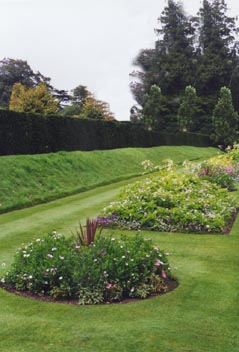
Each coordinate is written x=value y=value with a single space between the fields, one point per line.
x=32 y=179
x=201 y=315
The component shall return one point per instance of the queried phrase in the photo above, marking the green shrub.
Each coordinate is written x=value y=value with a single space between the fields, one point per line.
x=106 y=270
x=174 y=202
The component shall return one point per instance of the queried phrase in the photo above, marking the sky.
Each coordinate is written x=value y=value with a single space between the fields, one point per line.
x=85 y=42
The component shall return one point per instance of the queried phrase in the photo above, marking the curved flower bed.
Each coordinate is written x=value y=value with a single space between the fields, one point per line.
x=104 y=270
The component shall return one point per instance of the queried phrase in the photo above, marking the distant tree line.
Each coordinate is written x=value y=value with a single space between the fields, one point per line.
x=192 y=73
x=23 y=90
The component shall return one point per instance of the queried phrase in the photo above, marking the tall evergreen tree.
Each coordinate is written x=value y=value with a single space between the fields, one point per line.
x=171 y=63
x=225 y=119
x=217 y=55
x=155 y=108
x=188 y=109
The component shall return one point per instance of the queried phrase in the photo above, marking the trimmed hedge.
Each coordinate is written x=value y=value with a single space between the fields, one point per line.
x=22 y=133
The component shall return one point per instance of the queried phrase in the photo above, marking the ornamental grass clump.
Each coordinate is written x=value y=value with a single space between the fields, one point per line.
x=106 y=270
x=175 y=202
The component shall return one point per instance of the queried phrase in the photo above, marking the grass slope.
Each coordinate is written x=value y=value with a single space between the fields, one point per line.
x=32 y=179
x=201 y=315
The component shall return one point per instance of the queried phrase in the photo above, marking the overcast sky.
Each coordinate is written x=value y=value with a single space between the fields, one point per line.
x=88 y=42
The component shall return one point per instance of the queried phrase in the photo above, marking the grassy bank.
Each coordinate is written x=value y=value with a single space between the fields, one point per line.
x=26 y=180
x=201 y=315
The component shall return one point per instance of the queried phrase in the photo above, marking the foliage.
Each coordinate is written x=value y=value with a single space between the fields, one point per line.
x=17 y=71
x=222 y=169
x=175 y=202
x=84 y=105
x=155 y=108
x=96 y=110
x=87 y=236
x=225 y=119
x=218 y=56
x=169 y=64
x=200 y=51
x=188 y=109
x=33 y=100
x=104 y=271
x=22 y=133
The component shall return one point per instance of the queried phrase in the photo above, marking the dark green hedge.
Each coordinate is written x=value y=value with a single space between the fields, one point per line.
x=33 y=134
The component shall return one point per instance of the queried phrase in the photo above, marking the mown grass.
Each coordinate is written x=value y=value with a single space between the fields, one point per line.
x=26 y=180
x=201 y=315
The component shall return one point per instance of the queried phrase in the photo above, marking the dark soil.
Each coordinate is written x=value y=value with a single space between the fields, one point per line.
x=171 y=285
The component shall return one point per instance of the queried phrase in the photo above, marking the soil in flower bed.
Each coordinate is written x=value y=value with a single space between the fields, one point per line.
x=171 y=285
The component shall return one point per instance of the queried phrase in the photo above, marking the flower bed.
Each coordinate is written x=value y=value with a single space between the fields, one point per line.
x=104 y=270
x=174 y=201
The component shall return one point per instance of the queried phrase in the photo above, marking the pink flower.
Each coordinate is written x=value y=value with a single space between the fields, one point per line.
x=164 y=275
x=229 y=170
x=108 y=285
x=156 y=248
x=158 y=262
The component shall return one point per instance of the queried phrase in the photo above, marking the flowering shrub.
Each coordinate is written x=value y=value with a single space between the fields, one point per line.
x=222 y=170
x=104 y=271
x=173 y=201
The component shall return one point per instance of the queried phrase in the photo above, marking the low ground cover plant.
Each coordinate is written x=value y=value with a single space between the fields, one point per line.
x=105 y=270
x=195 y=199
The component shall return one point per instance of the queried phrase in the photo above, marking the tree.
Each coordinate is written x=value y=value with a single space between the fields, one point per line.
x=188 y=109
x=155 y=108
x=77 y=99
x=170 y=64
x=96 y=109
x=17 y=71
x=217 y=60
x=225 y=119
x=34 y=100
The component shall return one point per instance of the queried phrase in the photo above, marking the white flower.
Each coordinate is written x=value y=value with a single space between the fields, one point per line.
x=3 y=280
x=30 y=276
x=54 y=249
x=123 y=257
x=3 y=265
x=61 y=277
x=61 y=258
x=50 y=256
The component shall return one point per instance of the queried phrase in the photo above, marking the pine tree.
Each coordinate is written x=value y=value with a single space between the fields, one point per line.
x=155 y=108
x=170 y=64
x=217 y=55
x=188 y=109
x=225 y=119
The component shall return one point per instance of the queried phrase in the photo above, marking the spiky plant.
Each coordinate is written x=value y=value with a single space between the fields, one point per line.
x=84 y=236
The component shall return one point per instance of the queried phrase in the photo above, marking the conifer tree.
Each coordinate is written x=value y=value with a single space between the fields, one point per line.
x=225 y=119
x=155 y=108
x=217 y=55
x=170 y=64
x=188 y=109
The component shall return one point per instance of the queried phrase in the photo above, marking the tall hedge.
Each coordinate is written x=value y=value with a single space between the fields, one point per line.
x=33 y=134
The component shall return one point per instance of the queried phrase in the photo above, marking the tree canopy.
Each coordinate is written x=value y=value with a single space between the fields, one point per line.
x=34 y=100
x=200 y=51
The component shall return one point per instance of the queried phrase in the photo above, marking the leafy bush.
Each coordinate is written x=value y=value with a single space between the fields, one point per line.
x=173 y=201
x=106 y=270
